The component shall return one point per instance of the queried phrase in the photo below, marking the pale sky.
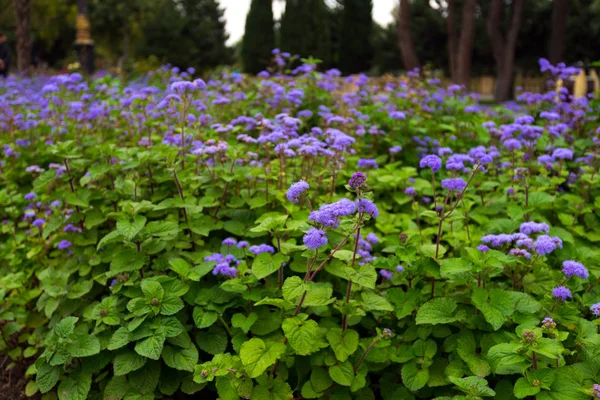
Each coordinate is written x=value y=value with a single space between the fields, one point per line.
x=236 y=10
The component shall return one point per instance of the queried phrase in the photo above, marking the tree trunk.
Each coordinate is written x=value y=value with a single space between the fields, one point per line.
x=452 y=41
x=467 y=37
x=559 y=22
x=405 y=43
x=22 y=14
x=504 y=50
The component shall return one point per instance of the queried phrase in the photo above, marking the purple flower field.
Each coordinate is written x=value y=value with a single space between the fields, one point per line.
x=298 y=235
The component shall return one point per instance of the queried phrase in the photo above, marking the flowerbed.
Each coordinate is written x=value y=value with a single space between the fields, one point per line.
x=278 y=239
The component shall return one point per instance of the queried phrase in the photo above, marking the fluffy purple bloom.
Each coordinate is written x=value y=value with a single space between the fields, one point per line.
x=410 y=191
x=562 y=154
x=357 y=179
x=454 y=184
x=399 y=268
x=386 y=274
x=64 y=244
x=216 y=257
x=595 y=309
x=30 y=196
x=242 y=244
x=482 y=248
x=229 y=242
x=574 y=268
x=367 y=163
x=329 y=214
x=561 y=293
x=546 y=244
x=548 y=323
x=534 y=227
x=295 y=191
x=223 y=268
x=431 y=161
x=38 y=222
x=72 y=228
x=368 y=207
x=315 y=238
x=395 y=149
x=512 y=144
x=55 y=204
x=261 y=248
x=113 y=282
x=371 y=237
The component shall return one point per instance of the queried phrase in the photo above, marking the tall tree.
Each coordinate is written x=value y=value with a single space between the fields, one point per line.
x=504 y=47
x=560 y=10
x=460 y=51
x=405 y=42
x=259 y=37
x=23 y=14
x=356 y=52
x=304 y=29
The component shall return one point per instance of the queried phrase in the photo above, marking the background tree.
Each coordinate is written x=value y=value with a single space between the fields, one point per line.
x=405 y=42
x=22 y=19
x=460 y=50
x=259 y=37
x=356 y=51
x=559 y=23
x=504 y=48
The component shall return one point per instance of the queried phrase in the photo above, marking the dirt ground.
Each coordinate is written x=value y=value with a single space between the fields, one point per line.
x=12 y=382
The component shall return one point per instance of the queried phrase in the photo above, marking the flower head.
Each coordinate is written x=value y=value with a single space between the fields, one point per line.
x=534 y=227
x=242 y=244
x=454 y=184
x=386 y=274
x=315 y=238
x=561 y=293
x=410 y=191
x=357 y=179
x=229 y=242
x=595 y=309
x=547 y=244
x=548 y=323
x=261 y=248
x=431 y=161
x=295 y=191
x=368 y=207
x=399 y=268
x=574 y=268
x=30 y=196
x=64 y=244
x=38 y=222
x=371 y=237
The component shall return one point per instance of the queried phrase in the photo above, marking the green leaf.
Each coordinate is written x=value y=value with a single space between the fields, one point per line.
x=171 y=305
x=127 y=361
x=116 y=388
x=180 y=266
x=145 y=379
x=319 y=295
x=130 y=229
x=265 y=264
x=344 y=255
x=226 y=388
x=257 y=358
x=454 y=266
x=342 y=373
x=152 y=289
x=413 y=377
x=181 y=359
x=76 y=388
x=244 y=323
x=374 y=302
x=474 y=386
x=365 y=276
x=524 y=388
x=466 y=347
x=83 y=344
x=343 y=343
x=303 y=335
x=270 y=223
x=204 y=319
x=151 y=347
x=214 y=341
x=439 y=311
x=293 y=288
x=275 y=390
x=497 y=309
x=46 y=377
x=66 y=327
x=126 y=260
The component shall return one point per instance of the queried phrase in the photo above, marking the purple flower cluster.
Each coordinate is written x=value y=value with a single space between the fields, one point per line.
x=315 y=238
x=561 y=293
x=595 y=309
x=356 y=180
x=524 y=242
x=226 y=264
x=431 y=161
x=296 y=190
x=367 y=163
x=329 y=214
x=261 y=248
x=572 y=268
x=368 y=207
x=454 y=184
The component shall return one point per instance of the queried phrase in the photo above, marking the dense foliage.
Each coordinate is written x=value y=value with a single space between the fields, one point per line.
x=296 y=237
x=259 y=37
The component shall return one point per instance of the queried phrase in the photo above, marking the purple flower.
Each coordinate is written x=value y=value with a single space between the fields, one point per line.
x=454 y=184
x=395 y=149
x=55 y=204
x=30 y=196
x=38 y=222
x=510 y=191
x=386 y=274
x=357 y=179
x=223 y=268
x=329 y=214
x=595 y=309
x=371 y=237
x=368 y=207
x=242 y=244
x=482 y=248
x=72 y=228
x=315 y=238
x=546 y=244
x=64 y=244
x=261 y=248
x=431 y=161
x=295 y=191
x=512 y=144
x=229 y=242
x=562 y=154
x=410 y=191
x=561 y=293
x=534 y=227
x=399 y=268
x=573 y=268
x=367 y=162
x=113 y=282
x=548 y=323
